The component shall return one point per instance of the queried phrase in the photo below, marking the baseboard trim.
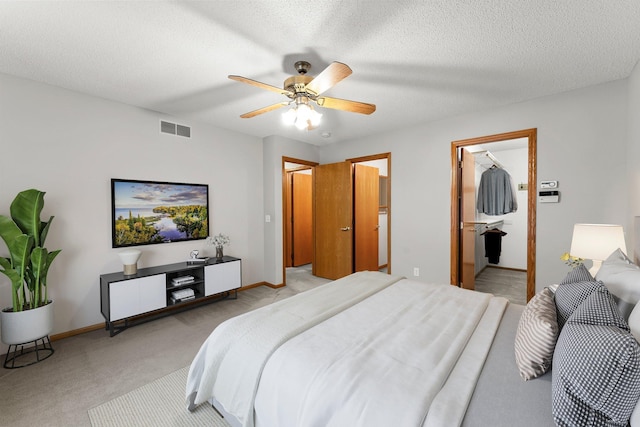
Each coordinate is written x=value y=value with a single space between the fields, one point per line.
x=91 y=328
x=272 y=286
x=507 y=268
x=74 y=332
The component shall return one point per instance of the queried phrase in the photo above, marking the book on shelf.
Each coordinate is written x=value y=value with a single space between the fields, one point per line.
x=198 y=260
x=182 y=280
x=177 y=300
x=183 y=293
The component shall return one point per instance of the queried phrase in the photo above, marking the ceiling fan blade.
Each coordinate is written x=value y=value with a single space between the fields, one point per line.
x=346 y=105
x=263 y=110
x=329 y=77
x=261 y=85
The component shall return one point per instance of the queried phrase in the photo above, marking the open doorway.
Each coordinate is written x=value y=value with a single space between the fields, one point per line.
x=297 y=213
x=292 y=169
x=475 y=231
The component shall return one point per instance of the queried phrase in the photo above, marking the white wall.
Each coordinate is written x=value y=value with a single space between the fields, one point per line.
x=633 y=154
x=70 y=145
x=275 y=147
x=582 y=142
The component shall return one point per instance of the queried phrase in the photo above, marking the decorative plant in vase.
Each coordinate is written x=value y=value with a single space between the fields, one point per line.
x=28 y=262
x=571 y=260
x=219 y=241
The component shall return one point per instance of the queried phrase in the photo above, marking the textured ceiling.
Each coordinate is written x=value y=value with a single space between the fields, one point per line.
x=417 y=60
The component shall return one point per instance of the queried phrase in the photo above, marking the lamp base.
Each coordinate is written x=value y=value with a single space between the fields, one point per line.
x=595 y=267
x=130 y=269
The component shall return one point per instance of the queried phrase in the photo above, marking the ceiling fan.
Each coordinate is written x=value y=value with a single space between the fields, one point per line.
x=304 y=89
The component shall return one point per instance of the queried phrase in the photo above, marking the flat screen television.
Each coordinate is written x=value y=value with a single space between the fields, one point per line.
x=151 y=212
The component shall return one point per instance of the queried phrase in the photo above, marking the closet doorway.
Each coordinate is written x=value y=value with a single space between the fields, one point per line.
x=368 y=227
x=469 y=159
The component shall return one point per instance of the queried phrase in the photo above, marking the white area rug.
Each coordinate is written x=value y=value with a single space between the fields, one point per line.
x=159 y=403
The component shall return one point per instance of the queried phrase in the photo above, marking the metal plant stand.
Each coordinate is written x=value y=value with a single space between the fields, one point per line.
x=41 y=351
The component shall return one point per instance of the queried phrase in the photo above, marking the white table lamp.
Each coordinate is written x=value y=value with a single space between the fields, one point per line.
x=596 y=242
x=129 y=258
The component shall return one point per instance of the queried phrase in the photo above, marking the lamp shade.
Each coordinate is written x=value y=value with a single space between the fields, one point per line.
x=597 y=241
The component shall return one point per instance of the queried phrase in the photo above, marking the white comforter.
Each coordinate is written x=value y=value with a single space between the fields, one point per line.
x=391 y=359
x=229 y=363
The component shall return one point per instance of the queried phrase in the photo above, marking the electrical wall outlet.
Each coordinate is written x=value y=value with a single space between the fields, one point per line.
x=416 y=271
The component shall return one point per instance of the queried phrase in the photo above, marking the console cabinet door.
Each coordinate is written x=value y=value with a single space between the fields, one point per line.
x=136 y=296
x=222 y=277
x=153 y=293
x=123 y=299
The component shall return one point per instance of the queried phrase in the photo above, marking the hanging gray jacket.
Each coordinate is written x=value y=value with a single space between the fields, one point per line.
x=496 y=194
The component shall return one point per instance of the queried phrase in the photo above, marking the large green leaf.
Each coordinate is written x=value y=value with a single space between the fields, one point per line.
x=25 y=211
x=16 y=283
x=50 y=257
x=9 y=231
x=20 y=250
x=45 y=230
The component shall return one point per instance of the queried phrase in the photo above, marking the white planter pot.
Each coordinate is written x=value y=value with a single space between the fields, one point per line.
x=26 y=326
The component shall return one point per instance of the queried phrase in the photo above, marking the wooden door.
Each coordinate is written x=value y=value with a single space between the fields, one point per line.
x=333 y=206
x=302 y=211
x=366 y=206
x=468 y=217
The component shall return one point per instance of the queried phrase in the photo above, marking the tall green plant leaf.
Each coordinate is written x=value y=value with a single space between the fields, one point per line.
x=25 y=211
x=50 y=257
x=38 y=266
x=20 y=249
x=45 y=230
x=16 y=282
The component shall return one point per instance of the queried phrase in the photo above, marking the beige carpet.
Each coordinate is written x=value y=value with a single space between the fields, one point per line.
x=159 y=403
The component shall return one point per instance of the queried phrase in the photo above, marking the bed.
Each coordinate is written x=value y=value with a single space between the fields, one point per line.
x=374 y=349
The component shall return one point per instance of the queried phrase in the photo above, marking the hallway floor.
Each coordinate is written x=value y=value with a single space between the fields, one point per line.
x=510 y=284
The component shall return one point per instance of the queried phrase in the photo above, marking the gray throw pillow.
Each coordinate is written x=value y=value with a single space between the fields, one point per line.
x=578 y=274
x=595 y=377
x=599 y=308
x=622 y=278
x=569 y=296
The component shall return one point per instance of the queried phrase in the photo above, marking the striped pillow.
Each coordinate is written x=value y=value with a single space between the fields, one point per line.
x=536 y=336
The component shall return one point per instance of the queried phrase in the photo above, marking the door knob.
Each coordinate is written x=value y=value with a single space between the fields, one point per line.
x=345 y=228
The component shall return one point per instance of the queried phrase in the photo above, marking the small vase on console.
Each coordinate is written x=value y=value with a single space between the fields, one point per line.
x=218 y=241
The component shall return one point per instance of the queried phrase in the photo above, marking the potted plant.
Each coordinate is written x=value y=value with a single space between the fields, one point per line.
x=31 y=315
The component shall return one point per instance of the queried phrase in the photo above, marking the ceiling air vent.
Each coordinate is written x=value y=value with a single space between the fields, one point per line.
x=175 y=129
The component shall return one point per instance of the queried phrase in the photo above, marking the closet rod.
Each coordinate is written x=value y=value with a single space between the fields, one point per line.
x=492 y=158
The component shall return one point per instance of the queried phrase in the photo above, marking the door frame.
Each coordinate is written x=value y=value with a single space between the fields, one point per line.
x=531 y=135
x=305 y=164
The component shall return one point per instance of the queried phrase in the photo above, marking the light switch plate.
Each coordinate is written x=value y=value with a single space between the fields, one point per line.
x=549 y=184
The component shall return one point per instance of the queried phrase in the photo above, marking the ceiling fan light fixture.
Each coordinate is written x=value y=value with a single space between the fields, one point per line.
x=302 y=116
